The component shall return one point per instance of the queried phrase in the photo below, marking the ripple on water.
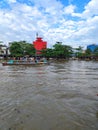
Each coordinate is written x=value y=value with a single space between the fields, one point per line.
x=56 y=97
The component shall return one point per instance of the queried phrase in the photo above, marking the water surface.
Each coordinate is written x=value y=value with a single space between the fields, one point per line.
x=59 y=96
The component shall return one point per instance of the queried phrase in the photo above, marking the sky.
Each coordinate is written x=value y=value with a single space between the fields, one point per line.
x=72 y=22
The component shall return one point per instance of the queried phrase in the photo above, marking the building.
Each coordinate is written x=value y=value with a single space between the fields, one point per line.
x=39 y=45
x=3 y=49
x=92 y=47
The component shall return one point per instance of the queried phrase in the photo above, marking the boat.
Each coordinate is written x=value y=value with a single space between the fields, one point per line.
x=23 y=62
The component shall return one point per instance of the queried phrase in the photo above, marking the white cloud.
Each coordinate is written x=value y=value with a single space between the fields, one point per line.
x=52 y=20
x=11 y=1
x=91 y=9
x=69 y=9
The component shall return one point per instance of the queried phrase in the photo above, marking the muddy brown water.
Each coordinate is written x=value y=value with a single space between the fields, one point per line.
x=59 y=96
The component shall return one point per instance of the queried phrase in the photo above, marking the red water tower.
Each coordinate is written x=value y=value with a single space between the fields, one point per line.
x=39 y=45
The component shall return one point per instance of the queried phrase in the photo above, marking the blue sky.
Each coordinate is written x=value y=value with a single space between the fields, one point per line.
x=72 y=22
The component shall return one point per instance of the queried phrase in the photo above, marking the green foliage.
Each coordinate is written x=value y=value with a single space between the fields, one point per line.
x=47 y=52
x=96 y=51
x=58 y=51
x=62 y=51
x=79 y=51
x=88 y=52
x=15 y=49
x=21 y=48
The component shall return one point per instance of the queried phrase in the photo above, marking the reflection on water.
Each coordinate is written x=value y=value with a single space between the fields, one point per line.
x=60 y=96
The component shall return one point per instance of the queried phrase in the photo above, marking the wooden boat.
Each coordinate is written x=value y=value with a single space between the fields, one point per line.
x=21 y=62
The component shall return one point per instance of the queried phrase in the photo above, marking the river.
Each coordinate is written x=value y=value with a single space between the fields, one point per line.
x=59 y=96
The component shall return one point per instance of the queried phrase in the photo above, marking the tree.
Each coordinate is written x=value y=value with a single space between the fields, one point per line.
x=96 y=51
x=88 y=52
x=62 y=51
x=79 y=51
x=47 y=53
x=15 y=49
x=68 y=51
x=21 y=48
x=29 y=50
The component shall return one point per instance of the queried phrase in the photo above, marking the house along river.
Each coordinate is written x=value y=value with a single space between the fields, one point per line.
x=59 y=96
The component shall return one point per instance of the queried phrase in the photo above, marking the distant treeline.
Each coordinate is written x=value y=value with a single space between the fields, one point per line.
x=59 y=51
